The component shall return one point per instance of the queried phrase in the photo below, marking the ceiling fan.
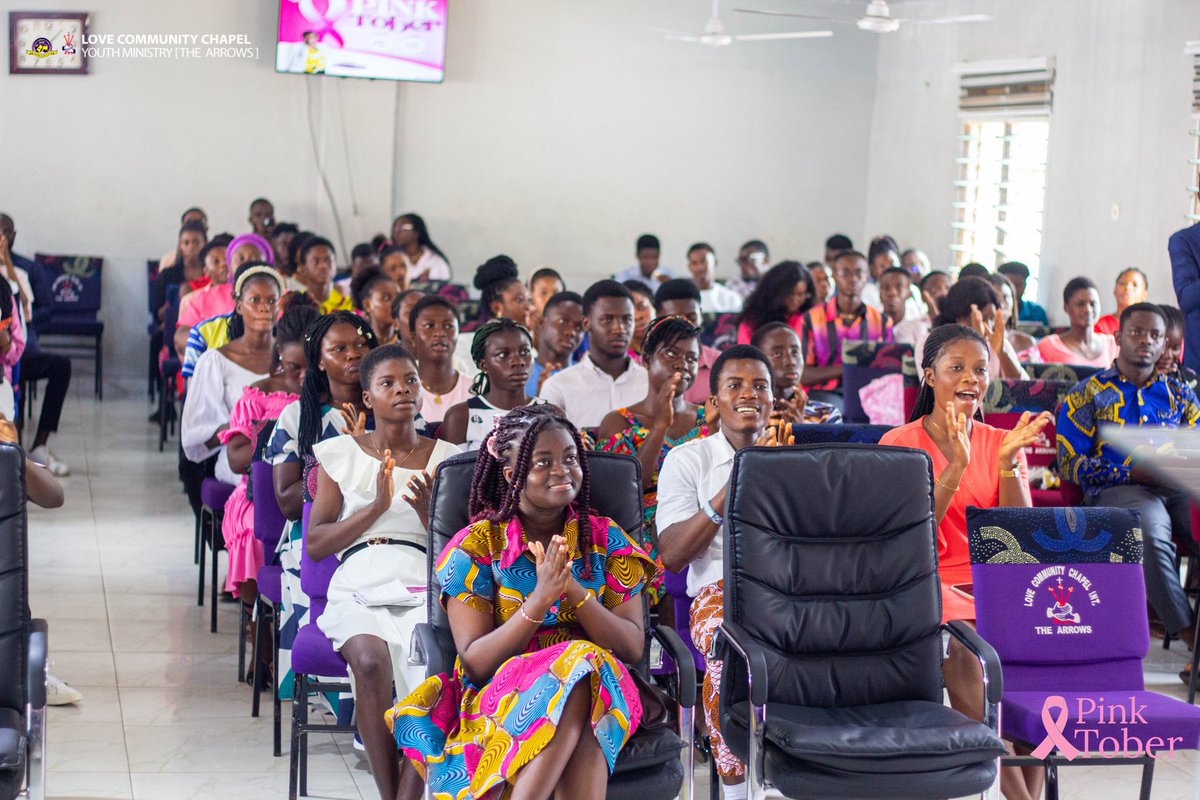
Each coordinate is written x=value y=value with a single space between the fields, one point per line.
x=877 y=19
x=714 y=33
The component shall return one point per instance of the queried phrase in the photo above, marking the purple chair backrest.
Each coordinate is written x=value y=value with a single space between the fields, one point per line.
x=1059 y=592
x=314 y=575
x=268 y=518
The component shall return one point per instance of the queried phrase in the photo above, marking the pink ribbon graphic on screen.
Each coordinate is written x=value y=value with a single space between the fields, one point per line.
x=334 y=10
x=1054 y=729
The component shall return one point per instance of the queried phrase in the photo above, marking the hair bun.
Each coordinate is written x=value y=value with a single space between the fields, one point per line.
x=495 y=269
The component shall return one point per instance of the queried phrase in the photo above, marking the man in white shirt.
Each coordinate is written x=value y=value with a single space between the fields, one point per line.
x=692 y=486
x=647 y=269
x=702 y=263
x=606 y=378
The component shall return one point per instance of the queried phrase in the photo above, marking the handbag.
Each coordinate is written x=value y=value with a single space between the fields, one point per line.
x=658 y=710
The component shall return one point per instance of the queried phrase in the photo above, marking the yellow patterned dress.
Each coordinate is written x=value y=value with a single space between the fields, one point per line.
x=470 y=741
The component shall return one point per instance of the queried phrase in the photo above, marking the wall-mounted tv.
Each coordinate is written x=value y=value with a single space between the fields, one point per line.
x=400 y=40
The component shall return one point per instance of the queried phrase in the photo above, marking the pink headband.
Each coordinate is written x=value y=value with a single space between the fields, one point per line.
x=264 y=247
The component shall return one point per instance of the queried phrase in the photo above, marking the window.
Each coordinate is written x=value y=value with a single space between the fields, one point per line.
x=1001 y=185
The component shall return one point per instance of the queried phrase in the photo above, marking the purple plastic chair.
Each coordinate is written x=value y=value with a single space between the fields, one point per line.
x=269 y=523
x=213 y=496
x=313 y=659
x=1060 y=595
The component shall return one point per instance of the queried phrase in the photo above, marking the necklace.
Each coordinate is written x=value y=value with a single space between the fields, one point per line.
x=437 y=395
x=399 y=461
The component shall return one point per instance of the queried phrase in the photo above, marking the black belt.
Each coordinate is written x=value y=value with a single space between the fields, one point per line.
x=378 y=540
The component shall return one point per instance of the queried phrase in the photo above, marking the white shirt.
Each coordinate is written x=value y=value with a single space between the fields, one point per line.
x=693 y=472
x=912 y=308
x=720 y=300
x=429 y=262
x=586 y=393
x=22 y=288
x=634 y=273
x=216 y=385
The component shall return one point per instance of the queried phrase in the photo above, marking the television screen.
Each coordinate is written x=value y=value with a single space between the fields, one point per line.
x=400 y=40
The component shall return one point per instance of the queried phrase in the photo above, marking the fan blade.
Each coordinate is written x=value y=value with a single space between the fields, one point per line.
x=847 y=20
x=767 y=37
x=678 y=37
x=668 y=32
x=944 y=20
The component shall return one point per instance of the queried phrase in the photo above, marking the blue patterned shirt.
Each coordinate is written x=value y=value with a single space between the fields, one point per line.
x=1084 y=457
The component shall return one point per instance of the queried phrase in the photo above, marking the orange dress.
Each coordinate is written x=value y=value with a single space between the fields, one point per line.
x=980 y=486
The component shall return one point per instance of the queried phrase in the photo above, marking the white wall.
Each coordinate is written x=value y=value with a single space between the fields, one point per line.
x=1118 y=130
x=563 y=131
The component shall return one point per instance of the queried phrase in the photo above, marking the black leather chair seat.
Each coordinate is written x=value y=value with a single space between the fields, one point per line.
x=922 y=738
x=12 y=752
x=659 y=782
x=648 y=748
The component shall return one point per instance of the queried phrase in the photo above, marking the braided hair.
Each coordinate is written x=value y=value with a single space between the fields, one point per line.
x=665 y=332
x=237 y=326
x=316 y=382
x=936 y=343
x=292 y=324
x=510 y=444
x=483 y=384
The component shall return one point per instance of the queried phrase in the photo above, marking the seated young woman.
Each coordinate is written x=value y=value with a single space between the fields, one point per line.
x=330 y=404
x=783 y=294
x=371 y=509
x=214 y=299
x=651 y=427
x=503 y=352
x=433 y=324
x=974 y=464
x=374 y=294
x=258 y=406
x=223 y=374
x=974 y=303
x=544 y=606
x=1082 y=344
x=781 y=344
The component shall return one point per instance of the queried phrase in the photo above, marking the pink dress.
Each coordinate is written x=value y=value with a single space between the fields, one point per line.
x=1053 y=351
x=211 y=301
x=245 y=554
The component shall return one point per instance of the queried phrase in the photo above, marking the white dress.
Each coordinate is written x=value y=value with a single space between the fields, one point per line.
x=343 y=460
x=216 y=385
x=429 y=266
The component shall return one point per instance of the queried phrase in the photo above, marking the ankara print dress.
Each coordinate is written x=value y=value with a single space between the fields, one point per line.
x=470 y=741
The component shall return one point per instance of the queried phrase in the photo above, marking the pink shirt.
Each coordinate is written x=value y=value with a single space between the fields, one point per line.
x=1053 y=351
x=745 y=331
x=17 y=331
x=211 y=301
x=699 y=391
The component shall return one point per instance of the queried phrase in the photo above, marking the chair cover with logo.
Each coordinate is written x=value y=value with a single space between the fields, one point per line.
x=1007 y=399
x=1059 y=593
x=1071 y=373
x=825 y=433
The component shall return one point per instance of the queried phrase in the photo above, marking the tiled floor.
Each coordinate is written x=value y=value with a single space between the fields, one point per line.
x=163 y=717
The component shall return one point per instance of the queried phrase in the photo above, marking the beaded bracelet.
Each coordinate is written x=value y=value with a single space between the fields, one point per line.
x=951 y=489
x=521 y=608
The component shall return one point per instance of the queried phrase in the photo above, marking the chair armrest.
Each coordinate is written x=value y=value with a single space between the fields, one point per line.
x=993 y=675
x=685 y=667
x=36 y=670
x=427 y=649
x=756 y=661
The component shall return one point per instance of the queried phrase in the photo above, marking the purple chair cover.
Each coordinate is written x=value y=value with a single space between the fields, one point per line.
x=312 y=652
x=1060 y=594
x=214 y=493
x=268 y=527
x=675 y=584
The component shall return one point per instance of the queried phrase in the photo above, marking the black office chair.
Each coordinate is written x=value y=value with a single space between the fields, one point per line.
x=22 y=645
x=650 y=766
x=832 y=642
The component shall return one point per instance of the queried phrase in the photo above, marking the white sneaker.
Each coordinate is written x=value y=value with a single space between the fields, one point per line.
x=42 y=455
x=58 y=693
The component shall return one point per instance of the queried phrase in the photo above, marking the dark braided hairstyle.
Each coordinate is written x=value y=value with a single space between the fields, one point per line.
x=510 y=444
x=316 y=382
x=936 y=343
x=664 y=332
x=483 y=384
x=292 y=324
x=237 y=326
